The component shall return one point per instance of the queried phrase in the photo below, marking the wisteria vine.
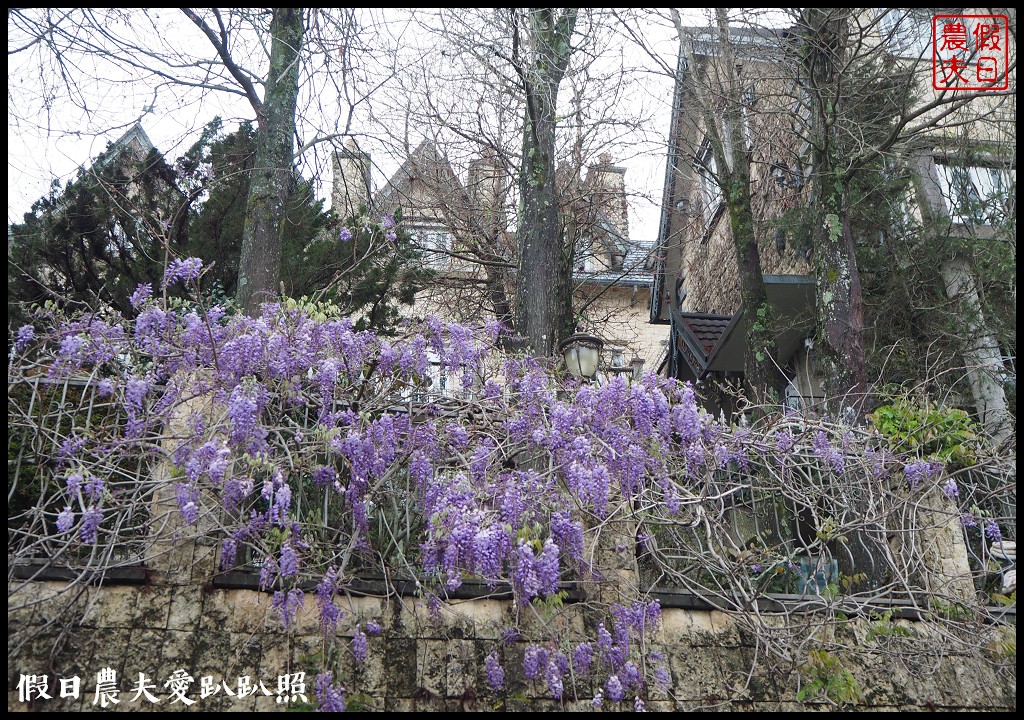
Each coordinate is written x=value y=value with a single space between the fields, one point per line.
x=310 y=449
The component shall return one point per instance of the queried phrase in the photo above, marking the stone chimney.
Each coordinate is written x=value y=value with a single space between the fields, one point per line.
x=351 y=179
x=487 y=188
x=606 y=184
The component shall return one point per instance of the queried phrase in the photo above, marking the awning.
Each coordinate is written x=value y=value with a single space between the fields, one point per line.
x=717 y=343
x=792 y=301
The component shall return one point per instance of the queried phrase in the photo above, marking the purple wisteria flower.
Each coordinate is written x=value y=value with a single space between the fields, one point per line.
x=94 y=488
x=434 y=608
x=950 y=489
x=288 y=564
x=345 y=235
x=288 y=604
x=228 y=553
x=532 y=575
x=919 y=471
x=360 y=645
x=824 y=450
x=494 y=672
x=582 y=657
x=638 y=705
x=70 y=446
x=330 y=613
x=65 y=520
x=186 y=496
x=74 y=482
x=510 y=635
x=614 y=689
x=331 y=697
x=535 y=660
x=141 y=295
x=968 y=520
x=992 y=531
x=631 y=675
x=373 y=628
x=90 y=524
x=784 y=442
x=135 y=393
x=25 y=335
x=662 y=679
x=70 y=348
x=604 y=638
x=553 y=675
x=105 y=387
x=183 y=271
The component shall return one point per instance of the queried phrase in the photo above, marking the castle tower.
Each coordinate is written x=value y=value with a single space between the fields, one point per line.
x=606 y=184
x=487 y=189
x=351 y=179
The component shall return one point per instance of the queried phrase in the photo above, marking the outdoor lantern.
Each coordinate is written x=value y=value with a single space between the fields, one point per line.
x=581 y=353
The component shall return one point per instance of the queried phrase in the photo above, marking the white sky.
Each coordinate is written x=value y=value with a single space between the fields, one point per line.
x=49 y=136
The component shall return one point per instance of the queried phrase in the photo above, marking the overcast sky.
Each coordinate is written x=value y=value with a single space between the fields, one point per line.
x=52 y=131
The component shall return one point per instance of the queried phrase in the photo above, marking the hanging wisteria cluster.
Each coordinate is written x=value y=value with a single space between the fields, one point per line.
x=317 y=452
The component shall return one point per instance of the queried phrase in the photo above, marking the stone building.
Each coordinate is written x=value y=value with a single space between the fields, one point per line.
x=462 y=231
x=961 y=190
x=696 y=285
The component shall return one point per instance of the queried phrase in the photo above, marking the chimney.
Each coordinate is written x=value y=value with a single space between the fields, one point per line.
x=486 y=185
x=607 y=186
x=351 y=180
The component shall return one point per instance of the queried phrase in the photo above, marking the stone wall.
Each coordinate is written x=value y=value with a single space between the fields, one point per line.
x=420 y=663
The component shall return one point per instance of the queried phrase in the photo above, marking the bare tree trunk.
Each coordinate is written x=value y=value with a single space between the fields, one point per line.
x=981 y=355
x=758 y=364
x=839 y=302
x=840 y=307
x=544 y=294
x=260 y=262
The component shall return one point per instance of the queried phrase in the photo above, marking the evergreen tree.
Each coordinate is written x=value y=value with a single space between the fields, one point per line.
x=118 y=224
x=94 y=240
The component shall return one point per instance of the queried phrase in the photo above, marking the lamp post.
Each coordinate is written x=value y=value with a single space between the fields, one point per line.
x=582 y=354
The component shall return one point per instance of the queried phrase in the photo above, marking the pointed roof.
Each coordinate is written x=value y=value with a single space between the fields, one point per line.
x=135 y=140
x=718 y=342
x=424 y=163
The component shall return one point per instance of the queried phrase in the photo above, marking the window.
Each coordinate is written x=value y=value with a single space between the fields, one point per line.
x=441 y=381
x=434 y=245
x=710 y=192
x=747 y=108
x=973 y=194
x=906 y=32
x=681 y=291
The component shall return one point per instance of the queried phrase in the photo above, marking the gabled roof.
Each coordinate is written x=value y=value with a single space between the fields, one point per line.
x=717 y=343
x=697 y=335
x=444 y=184
x=134 y=140
x=706 y=329
x=636 y=266
x=423 y=162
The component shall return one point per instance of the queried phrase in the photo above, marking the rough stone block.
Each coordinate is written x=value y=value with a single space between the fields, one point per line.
x=186 y=609
x=401 y=658
x=461 y=668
